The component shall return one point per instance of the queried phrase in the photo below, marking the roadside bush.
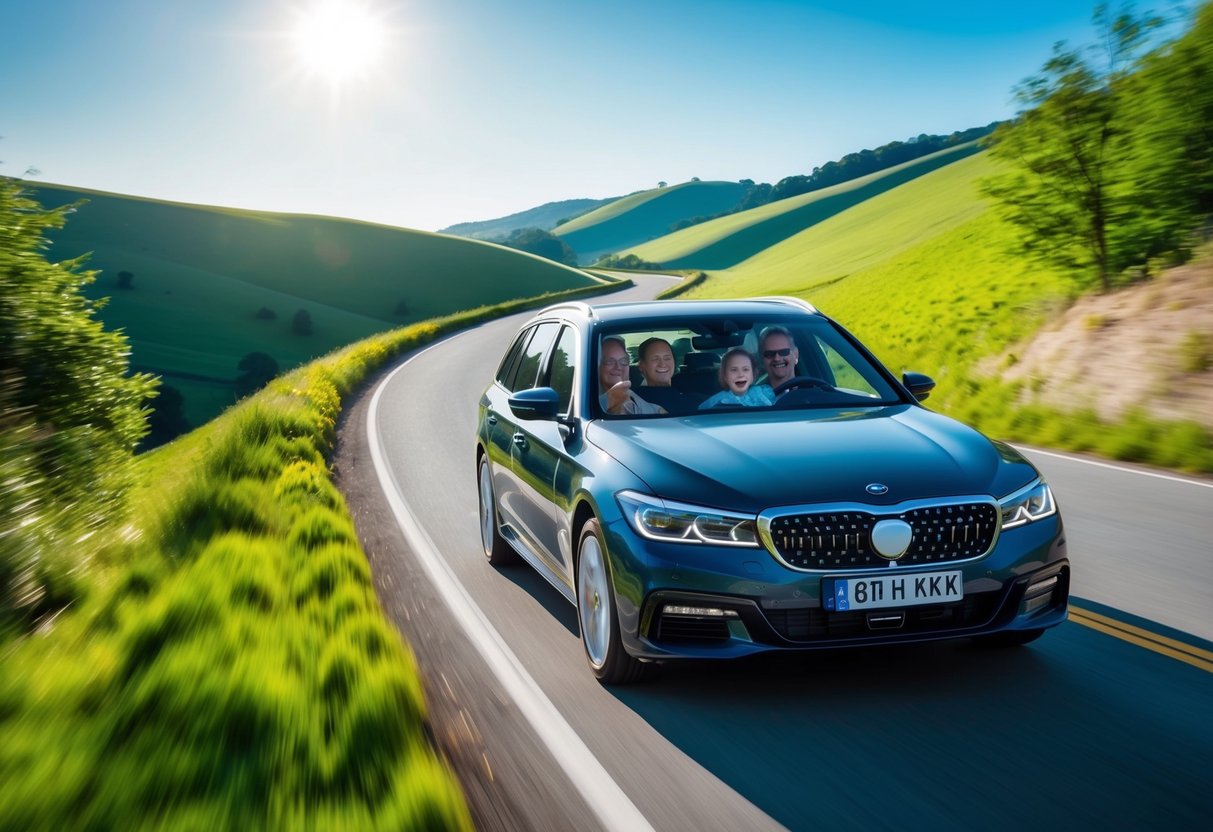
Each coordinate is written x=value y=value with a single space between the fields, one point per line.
x=236 y=670
x=70 y=415
x=1196 y=352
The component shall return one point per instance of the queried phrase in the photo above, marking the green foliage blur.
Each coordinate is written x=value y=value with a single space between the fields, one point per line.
x=1110 y=162
x=232 y=667
x=70 y=415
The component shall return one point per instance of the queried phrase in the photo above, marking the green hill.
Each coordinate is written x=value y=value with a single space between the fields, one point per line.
x=923 y=274
x=862 y=236
x=727 y=241
x=545 y=217
x=202 y=275
x=646 y=215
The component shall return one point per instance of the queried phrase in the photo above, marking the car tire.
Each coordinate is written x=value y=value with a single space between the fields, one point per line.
x=496 y=550
x=1010 y=638
x=596 y=613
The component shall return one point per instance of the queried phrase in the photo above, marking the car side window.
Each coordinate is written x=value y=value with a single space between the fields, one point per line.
x=532 y=357
x=505 y=373
x=560 y=368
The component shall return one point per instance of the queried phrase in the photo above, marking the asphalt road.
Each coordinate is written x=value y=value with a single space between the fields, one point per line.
x=1082 y=728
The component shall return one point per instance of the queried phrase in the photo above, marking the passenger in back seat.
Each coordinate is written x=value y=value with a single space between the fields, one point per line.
x=614 y=386
x=656 y=363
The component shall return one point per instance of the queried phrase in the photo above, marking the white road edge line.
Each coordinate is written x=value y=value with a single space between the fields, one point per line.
x=597 y=788
x=1125 y=468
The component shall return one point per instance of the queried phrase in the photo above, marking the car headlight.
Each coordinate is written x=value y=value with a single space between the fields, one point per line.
x=1027 y=505
x=659 y=519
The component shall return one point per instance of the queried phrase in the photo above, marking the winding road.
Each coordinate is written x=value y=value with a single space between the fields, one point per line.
x=1104 y=722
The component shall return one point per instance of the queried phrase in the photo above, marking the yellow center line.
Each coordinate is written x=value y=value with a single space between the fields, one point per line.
x=1186 y=653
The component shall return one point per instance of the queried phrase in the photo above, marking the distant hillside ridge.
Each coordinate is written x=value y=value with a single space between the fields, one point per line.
x=197 y=289
x=724 y=242
x=646 y=215
x=545 y=217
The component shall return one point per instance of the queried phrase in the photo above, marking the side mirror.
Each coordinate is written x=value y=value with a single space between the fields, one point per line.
x=920 y=386
x=536 y=403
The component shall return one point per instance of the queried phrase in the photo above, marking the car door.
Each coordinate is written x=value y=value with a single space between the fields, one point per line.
x=498 y=428
x=518 y=498
x=540 y=458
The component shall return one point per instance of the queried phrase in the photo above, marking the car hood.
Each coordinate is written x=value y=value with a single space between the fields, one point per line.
x=750 y=461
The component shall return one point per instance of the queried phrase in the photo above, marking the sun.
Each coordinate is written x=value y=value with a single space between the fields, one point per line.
x=338 y=40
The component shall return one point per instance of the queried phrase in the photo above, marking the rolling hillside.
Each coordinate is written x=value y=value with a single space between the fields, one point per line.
x=923 y=274
x=862 y=236
x=644 y=216
x=212 y=285
x=546 y=217
x=727 y=241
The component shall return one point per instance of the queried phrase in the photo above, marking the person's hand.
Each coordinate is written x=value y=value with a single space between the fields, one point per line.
x=617 y=396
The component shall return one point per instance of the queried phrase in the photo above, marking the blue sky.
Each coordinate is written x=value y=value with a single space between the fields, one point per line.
x=480 y=108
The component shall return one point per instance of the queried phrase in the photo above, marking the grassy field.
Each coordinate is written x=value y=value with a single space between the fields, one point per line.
x=644 y=216
x=202 y=274
x=727 y=241
x=923 y=274
x=228 y=665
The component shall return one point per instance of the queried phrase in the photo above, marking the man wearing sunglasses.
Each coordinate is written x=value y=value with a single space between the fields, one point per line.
x=779 y=355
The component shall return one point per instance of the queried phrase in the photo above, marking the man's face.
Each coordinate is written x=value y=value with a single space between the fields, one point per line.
x=612 y=365
x=658 y=365
x=779 y=356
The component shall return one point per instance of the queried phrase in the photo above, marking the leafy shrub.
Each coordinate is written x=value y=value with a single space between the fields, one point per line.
x=1196 y=352
x=301 y=324
x=70 y=415
x=256 y=370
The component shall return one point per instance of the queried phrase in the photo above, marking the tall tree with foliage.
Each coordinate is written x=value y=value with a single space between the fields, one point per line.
x=1067 y=151
x=1170 y=120
x=70 y=415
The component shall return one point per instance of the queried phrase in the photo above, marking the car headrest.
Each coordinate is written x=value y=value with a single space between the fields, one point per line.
x=701 y=360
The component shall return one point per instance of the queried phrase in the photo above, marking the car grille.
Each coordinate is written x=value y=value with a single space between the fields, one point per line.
x=843 y=539
x=815 y=624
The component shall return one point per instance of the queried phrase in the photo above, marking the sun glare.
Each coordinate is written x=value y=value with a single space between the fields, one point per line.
x=339 y=40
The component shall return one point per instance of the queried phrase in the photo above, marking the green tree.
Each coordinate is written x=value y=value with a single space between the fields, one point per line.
x=70 y=415
x=301 y=324
x=1067 y=151
x=1170 y=121
x=256 y=370
x=167 y=421
x=542 y=243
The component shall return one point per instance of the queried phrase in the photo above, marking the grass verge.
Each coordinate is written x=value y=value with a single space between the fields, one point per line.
x=230 y=666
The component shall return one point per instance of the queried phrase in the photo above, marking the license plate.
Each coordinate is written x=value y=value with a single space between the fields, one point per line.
x=877 y=591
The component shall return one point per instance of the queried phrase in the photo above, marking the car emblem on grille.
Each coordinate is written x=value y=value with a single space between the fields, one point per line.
x=891 y=538
x=877 y=488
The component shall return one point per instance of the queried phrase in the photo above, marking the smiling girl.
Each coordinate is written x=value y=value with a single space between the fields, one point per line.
x=737 y=372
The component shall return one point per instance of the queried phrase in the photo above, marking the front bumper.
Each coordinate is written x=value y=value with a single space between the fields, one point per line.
x=707 y=603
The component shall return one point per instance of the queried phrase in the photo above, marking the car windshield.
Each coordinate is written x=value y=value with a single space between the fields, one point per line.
x=678 y=367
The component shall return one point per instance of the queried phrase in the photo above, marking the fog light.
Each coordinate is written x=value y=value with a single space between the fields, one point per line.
x=1041 y=586
x=702 y=612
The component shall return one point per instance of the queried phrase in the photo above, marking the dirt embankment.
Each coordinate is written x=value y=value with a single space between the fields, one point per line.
x=1142 y=346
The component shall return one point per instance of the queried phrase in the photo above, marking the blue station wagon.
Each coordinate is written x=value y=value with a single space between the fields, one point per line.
x=715 y=479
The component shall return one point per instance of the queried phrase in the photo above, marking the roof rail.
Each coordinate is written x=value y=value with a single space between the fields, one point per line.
x=801 y=302
x=580 y=305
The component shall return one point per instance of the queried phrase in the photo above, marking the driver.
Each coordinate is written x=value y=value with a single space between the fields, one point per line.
x=779 y=355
